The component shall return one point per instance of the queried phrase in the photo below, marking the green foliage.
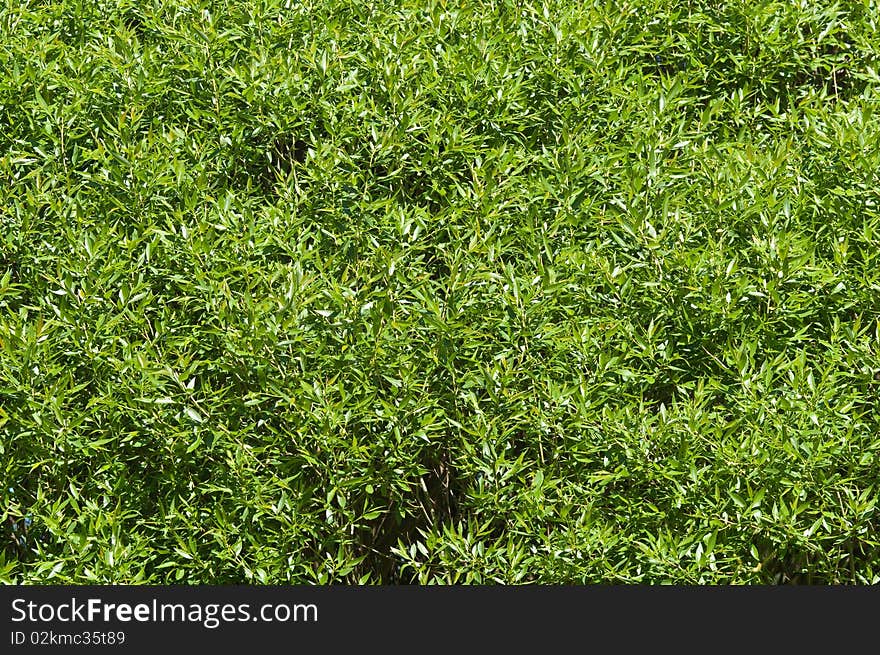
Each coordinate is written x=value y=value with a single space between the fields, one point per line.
x=435 y=292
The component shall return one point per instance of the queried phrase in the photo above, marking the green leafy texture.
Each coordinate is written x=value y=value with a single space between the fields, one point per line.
x=491 y=292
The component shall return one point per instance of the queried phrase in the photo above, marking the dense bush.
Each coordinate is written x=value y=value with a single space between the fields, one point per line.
x=424 y=291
